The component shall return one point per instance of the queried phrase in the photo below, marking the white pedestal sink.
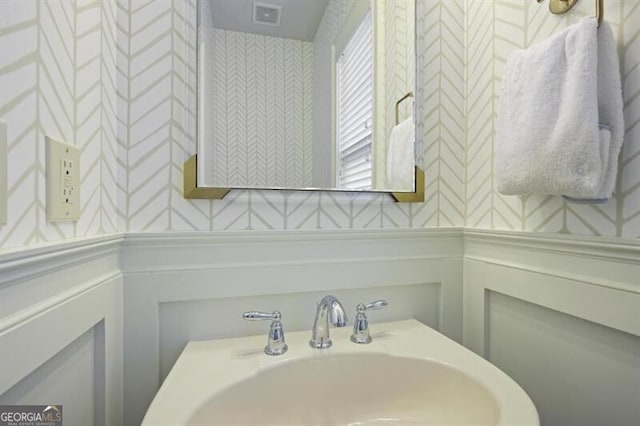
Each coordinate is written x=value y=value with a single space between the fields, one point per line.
x=410 y=374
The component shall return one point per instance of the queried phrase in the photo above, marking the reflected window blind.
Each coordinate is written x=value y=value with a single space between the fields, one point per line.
x=354 y=75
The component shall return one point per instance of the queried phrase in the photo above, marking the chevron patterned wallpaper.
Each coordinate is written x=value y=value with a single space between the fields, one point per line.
x=440 y=106
x=116 y=78
x=57 y=78
x=260 y=88
x=494 y=29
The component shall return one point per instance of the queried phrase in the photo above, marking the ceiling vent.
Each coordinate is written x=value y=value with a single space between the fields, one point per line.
x=267 y=14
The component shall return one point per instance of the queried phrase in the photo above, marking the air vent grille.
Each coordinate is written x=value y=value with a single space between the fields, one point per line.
x=267 y=14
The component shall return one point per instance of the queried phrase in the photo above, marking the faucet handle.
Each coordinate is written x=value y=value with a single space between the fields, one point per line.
x=361 y=324
x=259 y=316
x=275 y=340
x=378 y=304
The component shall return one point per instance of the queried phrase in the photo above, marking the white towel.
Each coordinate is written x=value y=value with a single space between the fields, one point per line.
x=401 y=157
x=560 y=122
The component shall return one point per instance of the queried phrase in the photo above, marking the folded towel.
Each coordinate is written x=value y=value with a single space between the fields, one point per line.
x=401 y=157
x=605 y=139
x=610 y=108
x=554 y=96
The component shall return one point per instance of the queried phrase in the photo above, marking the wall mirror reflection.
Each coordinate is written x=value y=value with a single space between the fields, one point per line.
x=306 y=94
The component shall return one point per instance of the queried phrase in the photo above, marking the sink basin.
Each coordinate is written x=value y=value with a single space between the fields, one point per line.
x=354 y=389
x=410 y=374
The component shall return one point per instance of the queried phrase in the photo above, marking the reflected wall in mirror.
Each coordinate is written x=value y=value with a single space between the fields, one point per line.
x=304 y=94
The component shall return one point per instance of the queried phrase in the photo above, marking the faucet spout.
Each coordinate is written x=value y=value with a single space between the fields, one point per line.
x=328 y=308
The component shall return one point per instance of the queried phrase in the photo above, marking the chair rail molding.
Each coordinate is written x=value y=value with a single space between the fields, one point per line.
x=61 y=328
x=134 y=299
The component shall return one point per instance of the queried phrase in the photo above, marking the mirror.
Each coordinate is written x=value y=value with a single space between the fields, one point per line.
x=305 y=94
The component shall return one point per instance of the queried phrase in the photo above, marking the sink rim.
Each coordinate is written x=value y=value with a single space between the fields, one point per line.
x=230 y=361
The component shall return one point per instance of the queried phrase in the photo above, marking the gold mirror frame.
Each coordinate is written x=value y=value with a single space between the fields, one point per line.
x=193 y=191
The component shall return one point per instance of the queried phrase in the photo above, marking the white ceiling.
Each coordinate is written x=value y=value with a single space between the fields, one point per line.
x=299 y=20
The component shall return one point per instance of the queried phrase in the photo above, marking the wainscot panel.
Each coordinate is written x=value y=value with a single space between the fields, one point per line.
x=190 y=286
x=61 y=329
x=561 y=316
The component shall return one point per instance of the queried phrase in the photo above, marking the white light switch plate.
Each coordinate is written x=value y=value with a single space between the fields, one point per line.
x=3 y=173
x=63 y=181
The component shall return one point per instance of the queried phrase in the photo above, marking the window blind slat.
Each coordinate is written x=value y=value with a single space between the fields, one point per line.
x=357 y=144
x=355 y=108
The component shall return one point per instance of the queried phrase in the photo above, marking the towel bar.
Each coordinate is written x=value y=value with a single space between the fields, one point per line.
x=559 y=7
x=408 y=95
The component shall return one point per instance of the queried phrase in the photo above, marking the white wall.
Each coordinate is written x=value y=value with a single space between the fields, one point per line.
x=556 y=313
x=560 y=316
x=184 y=287
x=111 y=314
x=61 y=329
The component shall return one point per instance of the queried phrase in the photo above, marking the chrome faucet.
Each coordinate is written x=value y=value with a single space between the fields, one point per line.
x=329 y=306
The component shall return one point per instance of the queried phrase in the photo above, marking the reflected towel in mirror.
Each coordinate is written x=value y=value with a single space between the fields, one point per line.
x=401 y=156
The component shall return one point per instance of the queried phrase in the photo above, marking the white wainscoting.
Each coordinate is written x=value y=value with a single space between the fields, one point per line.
x=559 y=314
x=562 y=317
x=181 y=287
x=61 y=329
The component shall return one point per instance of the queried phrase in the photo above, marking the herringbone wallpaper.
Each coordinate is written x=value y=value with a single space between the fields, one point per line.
x=259 y=103
x=57 y=78
x=117 y=78
x=494 y=29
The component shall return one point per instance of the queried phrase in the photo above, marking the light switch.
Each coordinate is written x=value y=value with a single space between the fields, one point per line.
x=3 y=173
x=63 y=181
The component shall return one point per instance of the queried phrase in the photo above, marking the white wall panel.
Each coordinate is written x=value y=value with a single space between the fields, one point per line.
x=577 y=371
x=69 y=379
x=61 y=329
x=218 y=318
x=188 y=286
x=521 y=292
x=559 y=315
